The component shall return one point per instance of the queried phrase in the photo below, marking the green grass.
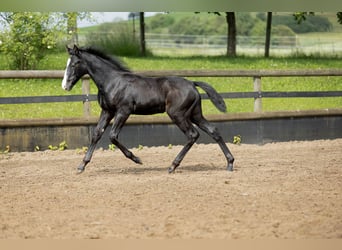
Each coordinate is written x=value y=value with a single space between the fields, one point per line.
x=58 y=110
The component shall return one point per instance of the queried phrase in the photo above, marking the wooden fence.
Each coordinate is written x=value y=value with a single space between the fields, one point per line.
x=256 y=75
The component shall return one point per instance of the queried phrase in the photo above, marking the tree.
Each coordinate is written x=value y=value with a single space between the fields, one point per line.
x=231 y=38
x=142 y=34
x=339 y=17
x=132 y=16
x=72 y=31
x=301 y=16
x=27 y=37
x=231 y=33
x=71 y=25
x=298 y=16
x=268 y=34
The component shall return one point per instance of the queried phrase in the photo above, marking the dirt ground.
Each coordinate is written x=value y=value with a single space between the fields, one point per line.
x=278 y=190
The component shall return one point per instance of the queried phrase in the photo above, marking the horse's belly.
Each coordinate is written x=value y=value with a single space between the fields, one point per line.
x=149 y=108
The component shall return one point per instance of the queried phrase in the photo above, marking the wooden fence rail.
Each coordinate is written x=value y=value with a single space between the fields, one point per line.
x=58 y=74
x=258 y=94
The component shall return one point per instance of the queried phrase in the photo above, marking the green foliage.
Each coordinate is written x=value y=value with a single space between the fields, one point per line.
x=82 y=150
x=282 y=30
x=111 y=147
x=51 y=147
x=160 y=21
x=248 y=24
x=302 y=23
x=27 y=38
x=7 y=150
x=115 y=38
x=5 y=154
x=339 y=17
x=301 y=16
x=237 y=139
x=62 y=146
x=199 y=24
x=245 y=23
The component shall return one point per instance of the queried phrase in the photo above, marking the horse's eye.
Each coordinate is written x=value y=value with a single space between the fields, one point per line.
x=75 y=64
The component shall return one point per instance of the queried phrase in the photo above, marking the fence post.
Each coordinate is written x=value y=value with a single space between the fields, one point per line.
x=257 y=88
x=86 y=102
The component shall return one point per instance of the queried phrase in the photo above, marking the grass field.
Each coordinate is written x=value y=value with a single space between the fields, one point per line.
x=58 y=110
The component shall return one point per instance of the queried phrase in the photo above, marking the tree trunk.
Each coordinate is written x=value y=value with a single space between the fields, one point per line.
x=142 y=34
x=231 y=39
x=268 y=34
x=72 y=28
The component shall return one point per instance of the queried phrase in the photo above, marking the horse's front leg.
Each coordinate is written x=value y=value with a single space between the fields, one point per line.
x=101 y=126
x=119 y=121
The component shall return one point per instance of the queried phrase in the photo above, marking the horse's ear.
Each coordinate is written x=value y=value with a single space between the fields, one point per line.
x=75 y=50
x=70 y=51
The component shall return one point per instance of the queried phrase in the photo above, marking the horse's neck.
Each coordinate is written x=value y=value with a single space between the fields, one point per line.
x=100 y=71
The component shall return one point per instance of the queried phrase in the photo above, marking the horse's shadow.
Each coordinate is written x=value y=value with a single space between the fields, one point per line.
x=139 y=170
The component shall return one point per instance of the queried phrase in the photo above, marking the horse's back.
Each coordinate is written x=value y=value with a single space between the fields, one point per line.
x=180 y=93
x=176 y=83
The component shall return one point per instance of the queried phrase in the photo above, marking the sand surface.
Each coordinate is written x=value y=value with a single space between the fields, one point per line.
x=278 y=190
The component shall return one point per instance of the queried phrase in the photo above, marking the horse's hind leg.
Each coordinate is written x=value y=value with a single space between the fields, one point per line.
x=212 y=131
x=192 y=135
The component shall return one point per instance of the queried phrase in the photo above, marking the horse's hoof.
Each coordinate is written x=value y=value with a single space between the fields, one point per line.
x=230 y=167
x=137 y=160
x=80 y=170
x=171 y=170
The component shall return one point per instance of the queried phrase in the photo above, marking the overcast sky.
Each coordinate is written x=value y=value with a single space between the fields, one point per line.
x=102 y=17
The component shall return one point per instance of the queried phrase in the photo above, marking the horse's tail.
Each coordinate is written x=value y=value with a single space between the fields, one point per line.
x=215 y=97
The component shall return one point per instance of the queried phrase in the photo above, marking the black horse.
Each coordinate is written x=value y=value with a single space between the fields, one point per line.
x=121 y=93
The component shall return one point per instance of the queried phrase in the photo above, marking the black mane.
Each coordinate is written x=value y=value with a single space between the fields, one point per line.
x=110 y=59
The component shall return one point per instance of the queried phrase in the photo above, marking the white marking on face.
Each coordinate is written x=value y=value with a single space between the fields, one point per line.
x=64 y=82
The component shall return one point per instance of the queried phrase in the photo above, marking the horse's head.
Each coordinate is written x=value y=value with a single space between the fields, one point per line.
x=75 y=69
